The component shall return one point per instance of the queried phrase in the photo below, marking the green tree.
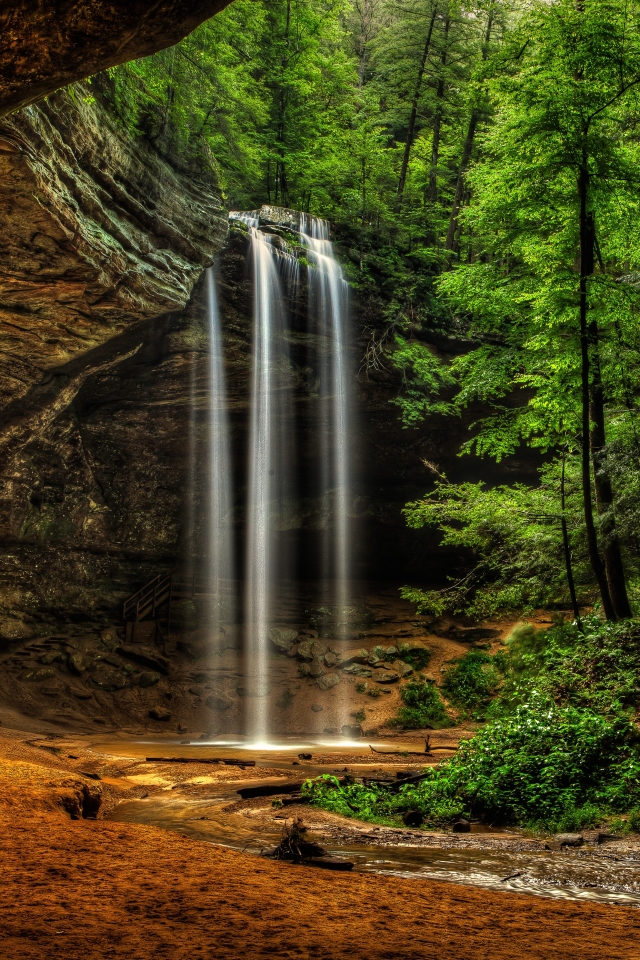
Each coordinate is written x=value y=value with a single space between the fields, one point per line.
x=554 y=221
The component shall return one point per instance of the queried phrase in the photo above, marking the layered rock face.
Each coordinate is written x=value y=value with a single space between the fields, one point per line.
x=47 y=45
x=99 y=236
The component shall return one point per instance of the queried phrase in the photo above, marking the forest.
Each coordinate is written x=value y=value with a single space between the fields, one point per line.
x=479 y=163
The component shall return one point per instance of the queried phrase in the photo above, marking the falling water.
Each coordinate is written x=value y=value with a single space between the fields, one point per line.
x=269 y=473
x=329 y=290
x=220 y=534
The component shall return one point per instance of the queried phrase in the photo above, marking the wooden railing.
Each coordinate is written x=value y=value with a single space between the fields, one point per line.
x=165 y=587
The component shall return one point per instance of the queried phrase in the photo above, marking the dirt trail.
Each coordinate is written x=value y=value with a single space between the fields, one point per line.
x=88 y=889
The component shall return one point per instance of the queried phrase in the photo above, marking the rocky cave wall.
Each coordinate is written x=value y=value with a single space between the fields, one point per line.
x=103 y=381
x=101 y=240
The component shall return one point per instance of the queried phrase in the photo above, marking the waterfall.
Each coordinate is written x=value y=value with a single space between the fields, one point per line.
x=269 y=469
x=329 y=297
x=220 y=559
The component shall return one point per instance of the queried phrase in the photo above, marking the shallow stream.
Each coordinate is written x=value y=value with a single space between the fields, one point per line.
x=609 y=873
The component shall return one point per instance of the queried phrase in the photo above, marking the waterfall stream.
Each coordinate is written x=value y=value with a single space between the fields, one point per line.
x=328 y=295
x=220 y=571
x=272 y=446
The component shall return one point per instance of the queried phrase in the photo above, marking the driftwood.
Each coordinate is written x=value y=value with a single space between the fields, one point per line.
x=227 y=762
x=428 y=750
x=296 y=848
x=394 y=785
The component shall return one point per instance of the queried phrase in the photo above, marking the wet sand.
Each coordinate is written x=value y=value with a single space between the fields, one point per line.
x=102 y=889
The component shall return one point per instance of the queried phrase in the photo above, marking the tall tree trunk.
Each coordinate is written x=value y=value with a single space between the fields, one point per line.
x=437 y=120
x=567 y=548
x=414 y=108
x=450 y=242
x=587 y=245
x=604 y=493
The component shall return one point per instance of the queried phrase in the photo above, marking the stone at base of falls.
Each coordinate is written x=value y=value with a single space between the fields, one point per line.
x=15 y=630
x=77 y=663
x=568 y=839
x=219 y=703
x=353 y=731
x=149 y=679
x=312 y=649
x=313 y=669
x=37 y=675
x=316 y=709
x=385 y=676
x=283 y=638
x=402 y=668
x=160 y=713
x=109 y=680
x=412 y=818
x=461 y=826
x=354 y=656
x=254 y=688
x=328 y=681
x=355 y=670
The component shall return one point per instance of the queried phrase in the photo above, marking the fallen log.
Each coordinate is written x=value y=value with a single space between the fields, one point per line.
x=230 y=762
x=272 y=789
x=410 y=753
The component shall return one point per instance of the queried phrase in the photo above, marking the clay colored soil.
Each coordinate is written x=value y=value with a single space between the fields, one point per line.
x=93 y=889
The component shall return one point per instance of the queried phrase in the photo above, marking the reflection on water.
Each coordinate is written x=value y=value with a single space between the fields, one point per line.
x=597 y=876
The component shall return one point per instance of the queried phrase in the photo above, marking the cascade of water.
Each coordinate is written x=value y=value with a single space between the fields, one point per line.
x=269 y=473
x=329 y=295
x=220 y=536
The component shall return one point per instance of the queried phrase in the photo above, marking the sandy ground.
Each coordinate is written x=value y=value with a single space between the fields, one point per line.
x=79 y=889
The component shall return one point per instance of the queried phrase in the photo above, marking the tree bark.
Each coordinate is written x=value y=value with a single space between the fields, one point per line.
x=437 y=120
x=567 y=548
x=604 y=493
x=414 y=108
x=586 y=269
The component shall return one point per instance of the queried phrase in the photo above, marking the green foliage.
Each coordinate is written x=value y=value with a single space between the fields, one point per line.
x=513 y=537
x=473 y=680
x=422 y=708
x=595 y=667
x=561 y=753
x=418 y=659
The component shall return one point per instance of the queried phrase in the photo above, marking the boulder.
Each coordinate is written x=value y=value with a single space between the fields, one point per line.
x=352 y=731
x=402 y=668
x=412 y=818
x=332 y=659
x=355 y=656
x=413 y=646
x=328 y=681
x=283 y=638
x=317 y=708
x=197 y=691
x=461 y=826
x=316 y=668
x=569 y=839
x=78 y=663
x=217 y=702
x=149 y=679
x=160 y=713
x=391 y=652
x=35 y=676
x=385 y=676
x=110 y=680
x=51 y=656
x=355 y=670
x=15 y=630
x=305 y=669
x=310 y=649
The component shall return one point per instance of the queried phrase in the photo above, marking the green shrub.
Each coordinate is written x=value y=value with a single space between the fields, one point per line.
x=472 y=681
x=422 y=708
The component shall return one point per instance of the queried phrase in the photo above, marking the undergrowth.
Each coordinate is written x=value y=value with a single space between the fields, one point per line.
x=560 y=752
